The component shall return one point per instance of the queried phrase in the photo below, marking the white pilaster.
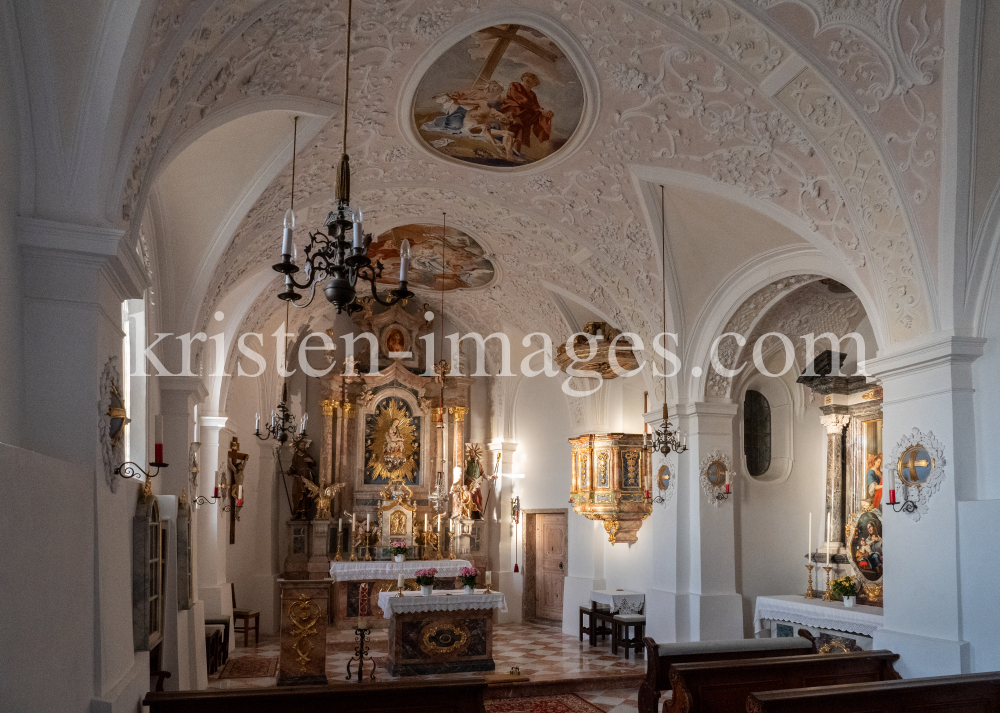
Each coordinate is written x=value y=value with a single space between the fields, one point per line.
x=928 y=386
x=210 y=540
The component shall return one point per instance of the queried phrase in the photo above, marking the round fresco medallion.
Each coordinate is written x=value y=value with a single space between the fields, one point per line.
x=503 y=97
x=866 y=545
x=915 y=465
x=464 y=265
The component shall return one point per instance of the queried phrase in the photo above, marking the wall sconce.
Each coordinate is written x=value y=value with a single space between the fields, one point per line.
x=130 y=469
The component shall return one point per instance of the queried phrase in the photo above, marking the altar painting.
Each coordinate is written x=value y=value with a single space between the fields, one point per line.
x=866 y=546
x=392 y=443
x=504 y=96
x=464 y=263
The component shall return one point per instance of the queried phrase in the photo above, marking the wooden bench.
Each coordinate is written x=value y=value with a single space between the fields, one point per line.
x=659 y=657
x=391 y=697
x=725 y=686
x=967 y=693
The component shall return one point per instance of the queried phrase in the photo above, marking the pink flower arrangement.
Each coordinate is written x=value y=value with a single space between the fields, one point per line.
x=398 y=547
x=468 y=576
x=425 y=577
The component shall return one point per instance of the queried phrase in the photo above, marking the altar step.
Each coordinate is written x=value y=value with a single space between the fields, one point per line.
x=501 y=687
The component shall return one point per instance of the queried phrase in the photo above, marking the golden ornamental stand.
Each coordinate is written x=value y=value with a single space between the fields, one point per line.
x=340 y=542
x=451 y=546
x=368 y=546
x=810 y=593
x=354 y=546
x=828 y=594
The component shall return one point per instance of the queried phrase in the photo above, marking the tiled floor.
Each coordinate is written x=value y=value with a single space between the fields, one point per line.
x=541 y=651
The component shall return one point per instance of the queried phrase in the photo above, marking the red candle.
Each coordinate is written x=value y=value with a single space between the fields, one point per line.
x=892 y=496
x=727 y=487
x=158 y=439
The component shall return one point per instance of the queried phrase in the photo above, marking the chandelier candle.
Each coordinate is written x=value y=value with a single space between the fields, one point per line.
x=286 y=238
x=404 y=260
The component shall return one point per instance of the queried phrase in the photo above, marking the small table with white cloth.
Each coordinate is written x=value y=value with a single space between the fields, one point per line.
x=621 y=601
x=782 y=615
x=447 y=632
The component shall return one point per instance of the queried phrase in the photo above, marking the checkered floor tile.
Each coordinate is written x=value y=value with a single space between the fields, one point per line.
x=541 y=651
x=613 y=700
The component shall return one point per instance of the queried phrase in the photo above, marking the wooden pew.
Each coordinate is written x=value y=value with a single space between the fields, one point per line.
x=725 y=686
x=659 y=657
x=390 y=697
x=967 y=693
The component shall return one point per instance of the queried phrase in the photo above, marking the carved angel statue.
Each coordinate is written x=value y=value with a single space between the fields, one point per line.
x=322 y=495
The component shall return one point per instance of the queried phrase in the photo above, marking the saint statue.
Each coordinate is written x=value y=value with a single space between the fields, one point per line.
x=302 y=468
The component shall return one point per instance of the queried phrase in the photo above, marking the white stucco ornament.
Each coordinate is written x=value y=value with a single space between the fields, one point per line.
x=715 y=470
x=918 y=460
x=664 y=479
x=112 y=420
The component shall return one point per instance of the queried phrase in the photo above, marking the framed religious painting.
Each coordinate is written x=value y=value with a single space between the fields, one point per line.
x=864 y=536
x=871 y=432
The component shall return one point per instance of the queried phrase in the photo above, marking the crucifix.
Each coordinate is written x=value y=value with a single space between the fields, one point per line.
x=506 y=34
x=237 y=464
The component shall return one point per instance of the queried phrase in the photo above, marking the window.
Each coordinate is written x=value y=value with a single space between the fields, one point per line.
x=756 y=433
x=149 y=573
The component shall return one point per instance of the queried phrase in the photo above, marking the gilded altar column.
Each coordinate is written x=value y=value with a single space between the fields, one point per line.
x=458 y=434
x=327 y=451
x=835 y=423
x=347 y=420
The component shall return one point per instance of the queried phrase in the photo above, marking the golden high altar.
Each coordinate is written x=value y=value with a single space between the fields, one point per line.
x=612 y=482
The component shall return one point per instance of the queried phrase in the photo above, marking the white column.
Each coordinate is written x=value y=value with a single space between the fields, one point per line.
x=708 y=607
x=79 y=277
x=929 y=387
x=211 y=536
x=501 y=528
x=835 y=423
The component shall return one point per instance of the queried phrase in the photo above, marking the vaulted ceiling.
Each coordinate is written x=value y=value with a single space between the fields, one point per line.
x=792 y=136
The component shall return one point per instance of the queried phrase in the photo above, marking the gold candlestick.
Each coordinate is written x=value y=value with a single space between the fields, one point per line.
x=810 y=594
x=451 y=546
x=340 y=541
x=368 y=546
x=828 y=594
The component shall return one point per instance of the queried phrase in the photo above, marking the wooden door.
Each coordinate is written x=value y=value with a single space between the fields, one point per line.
x=550 y=564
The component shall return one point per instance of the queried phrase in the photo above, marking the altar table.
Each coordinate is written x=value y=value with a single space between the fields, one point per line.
x=788 y=610
x=621 y=601
x=356 y=585
x=447 y=632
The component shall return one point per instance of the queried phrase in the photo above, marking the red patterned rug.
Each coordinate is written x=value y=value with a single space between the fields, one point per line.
x=542 y=704
x=250 y=667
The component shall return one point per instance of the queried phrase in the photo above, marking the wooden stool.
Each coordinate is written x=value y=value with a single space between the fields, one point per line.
x=620 y=624
x=246 y=615
x=596 y=619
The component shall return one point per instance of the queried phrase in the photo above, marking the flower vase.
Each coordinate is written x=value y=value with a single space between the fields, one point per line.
x=399 y=558
x=468 y=589
x=850 y=601
x=426 y=590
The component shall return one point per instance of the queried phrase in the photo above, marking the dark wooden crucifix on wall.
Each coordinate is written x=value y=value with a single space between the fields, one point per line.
x=237 y=463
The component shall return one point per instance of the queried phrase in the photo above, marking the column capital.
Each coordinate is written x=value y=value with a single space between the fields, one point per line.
x=917 y=355
x=216 y=422
x=835 y=422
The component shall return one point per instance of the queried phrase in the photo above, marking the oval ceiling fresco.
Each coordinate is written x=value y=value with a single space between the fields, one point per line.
x=503 y=97
x=464 y=263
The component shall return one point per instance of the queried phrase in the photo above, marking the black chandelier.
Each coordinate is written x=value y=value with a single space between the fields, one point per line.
x=341 y=256
x=282 y=423
x=666 y=438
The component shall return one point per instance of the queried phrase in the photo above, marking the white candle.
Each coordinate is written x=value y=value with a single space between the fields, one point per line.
x=358 y=233
x=256 y=426
x=439 y=523
x=829 y=539
x=340 y=524
x=810 y=550
x=399 y=581
x=368 y=519
x=354 y=521
x=451 y=526
x=489 y=577
x=425 y=522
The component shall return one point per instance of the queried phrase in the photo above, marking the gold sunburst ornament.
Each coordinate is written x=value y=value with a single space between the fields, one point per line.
x=393 y=442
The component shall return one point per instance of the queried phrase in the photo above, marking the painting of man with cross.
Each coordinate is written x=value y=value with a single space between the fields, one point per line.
x=505 y=96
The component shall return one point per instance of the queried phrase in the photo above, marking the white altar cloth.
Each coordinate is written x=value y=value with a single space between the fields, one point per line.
x=860 y=619
x=368 y=571
x=621 y=601
x=441 y=600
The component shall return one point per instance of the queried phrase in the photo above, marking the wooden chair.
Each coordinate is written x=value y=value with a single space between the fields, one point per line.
x=596 y=619
x=620 y=625
x=246 y=616
x=659 y=658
